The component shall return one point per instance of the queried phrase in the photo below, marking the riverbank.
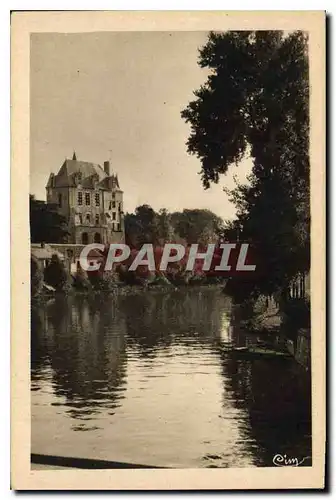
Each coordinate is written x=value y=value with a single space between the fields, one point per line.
x=286 y=323
x=124 y=290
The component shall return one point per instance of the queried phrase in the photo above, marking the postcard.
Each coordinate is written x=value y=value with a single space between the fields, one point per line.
x=168 y=250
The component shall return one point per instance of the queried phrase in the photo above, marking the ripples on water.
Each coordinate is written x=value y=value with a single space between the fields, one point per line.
x=150 y=379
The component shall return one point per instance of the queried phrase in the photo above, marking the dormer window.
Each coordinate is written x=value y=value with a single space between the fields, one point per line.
x=80 y=198
x=88 y=219
x=87 y=198
x=77 y=177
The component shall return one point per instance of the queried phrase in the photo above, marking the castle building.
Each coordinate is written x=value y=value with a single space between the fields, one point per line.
x=90 y=199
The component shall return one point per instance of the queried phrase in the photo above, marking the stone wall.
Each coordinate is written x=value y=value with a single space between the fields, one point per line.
x=71 y=253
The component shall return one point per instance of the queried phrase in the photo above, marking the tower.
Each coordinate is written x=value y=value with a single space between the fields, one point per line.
x=90 y=199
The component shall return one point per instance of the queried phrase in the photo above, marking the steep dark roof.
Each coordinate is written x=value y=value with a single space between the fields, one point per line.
x=91 y=173
x=86 y=168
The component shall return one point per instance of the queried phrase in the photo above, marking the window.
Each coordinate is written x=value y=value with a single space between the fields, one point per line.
x=60 y=200
x=85 y=238
x=97 y=219
x=80 y=198
x=88 y=219
x=87 y=198
x=80 y=217
x=97 y=198
x=118 y=227
x=113 y=216
x=97 y=238
x=113 y=204
x=113 y=195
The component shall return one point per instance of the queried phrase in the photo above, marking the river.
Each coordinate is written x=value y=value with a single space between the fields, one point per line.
x=150 y=379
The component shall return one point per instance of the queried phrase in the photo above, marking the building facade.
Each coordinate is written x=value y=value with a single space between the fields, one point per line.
x=90 y=199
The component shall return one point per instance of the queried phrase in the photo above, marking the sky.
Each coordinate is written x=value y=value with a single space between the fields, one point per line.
x=118 y=96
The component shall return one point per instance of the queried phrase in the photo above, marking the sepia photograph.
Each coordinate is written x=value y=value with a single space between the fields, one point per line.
x=170 y=212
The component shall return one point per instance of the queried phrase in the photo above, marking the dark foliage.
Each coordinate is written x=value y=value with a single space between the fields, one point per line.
x=56 y=275
x=146 y=225
x=256 y=102
x=46 y=223
x=36 y=277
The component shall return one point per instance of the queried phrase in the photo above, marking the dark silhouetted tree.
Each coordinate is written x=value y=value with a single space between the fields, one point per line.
x=56 y=275
x=46 y=223
x=197 y=226
x=256 y=102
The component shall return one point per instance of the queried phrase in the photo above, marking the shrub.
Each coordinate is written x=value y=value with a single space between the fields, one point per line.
x=36 y=277
x=81 y=280
x=56 y=275
x=102 y=282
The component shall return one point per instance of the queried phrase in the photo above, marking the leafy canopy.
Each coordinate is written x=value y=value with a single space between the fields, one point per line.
x=256 y=102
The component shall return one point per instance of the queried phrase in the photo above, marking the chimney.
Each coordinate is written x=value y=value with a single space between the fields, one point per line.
x=107 y=167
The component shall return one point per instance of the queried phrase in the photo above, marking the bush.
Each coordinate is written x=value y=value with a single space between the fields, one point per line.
x=296 y=313
x=102 y=282
x=81 y=280
x=125 y=276
x=36 y=278
x=56 y=275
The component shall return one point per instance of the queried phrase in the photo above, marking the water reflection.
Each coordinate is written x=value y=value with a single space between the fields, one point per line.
x=154 y=322
x=277 y=397
x=83 y=343
x=152 y=380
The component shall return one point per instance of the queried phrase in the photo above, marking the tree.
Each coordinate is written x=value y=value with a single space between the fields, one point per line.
x=192 y=225
x=148 y=226
x=140 y=227
x=164 y=227
x=46 y=223
x=197 y=226
x=56 y=275
x=256 y=101
x=81 y=280
x=36 y=277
